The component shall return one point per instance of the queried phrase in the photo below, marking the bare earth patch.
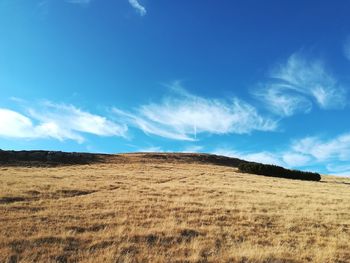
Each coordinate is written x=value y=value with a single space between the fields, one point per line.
x=133 y=208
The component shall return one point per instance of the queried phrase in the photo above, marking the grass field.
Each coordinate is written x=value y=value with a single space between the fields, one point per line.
x=137 y=209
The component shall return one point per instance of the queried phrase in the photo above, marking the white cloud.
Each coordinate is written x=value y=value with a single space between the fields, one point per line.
x=56 y=121
x=339 y=170
x=77 y=120
x=139 y=8
x=184 y=115
x=337 y=148
x=285 y=158
x=310 y=77
x=151 y=149
x=263 y=157
x=333 y=154
x=282 y=101
x=260 y=157
x=298 y=82
x=151 y=128
x=292 y=159
x=306 y=152
x=192 y=149
x=343 y=174
x=14 y=124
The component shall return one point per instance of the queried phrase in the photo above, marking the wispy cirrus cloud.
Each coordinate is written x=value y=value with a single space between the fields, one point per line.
x=339 y=170
x=282 y=101
x=295 y=159
x=138 y=7
x=183 y=116
x=299 y=83
x=57 y=121
x=334 y=152
x=337 y=148
x=332 y=155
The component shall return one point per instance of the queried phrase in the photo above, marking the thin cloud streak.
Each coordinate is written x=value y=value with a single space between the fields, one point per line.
x=339 y=170
x=138 y=7
x=337 y=148
x=281 y=101
x=298 y=84
x=184 y=116
x=293 y=159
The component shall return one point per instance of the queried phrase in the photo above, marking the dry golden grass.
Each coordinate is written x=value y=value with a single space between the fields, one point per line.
x=133 y=209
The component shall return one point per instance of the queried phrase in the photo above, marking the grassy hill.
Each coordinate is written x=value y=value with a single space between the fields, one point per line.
x=168 y=208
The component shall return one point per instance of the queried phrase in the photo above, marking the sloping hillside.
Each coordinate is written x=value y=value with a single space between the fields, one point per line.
x=55 y=158
x=168 y=208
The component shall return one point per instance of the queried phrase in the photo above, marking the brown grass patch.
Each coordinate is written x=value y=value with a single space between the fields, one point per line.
x=152 y=210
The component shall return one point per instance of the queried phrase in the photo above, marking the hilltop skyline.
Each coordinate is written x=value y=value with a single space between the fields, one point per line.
x=262 y=81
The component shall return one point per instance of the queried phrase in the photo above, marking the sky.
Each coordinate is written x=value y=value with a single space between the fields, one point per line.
x=265 y=81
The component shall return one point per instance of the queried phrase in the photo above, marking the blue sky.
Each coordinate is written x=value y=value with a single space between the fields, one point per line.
x=266 y=81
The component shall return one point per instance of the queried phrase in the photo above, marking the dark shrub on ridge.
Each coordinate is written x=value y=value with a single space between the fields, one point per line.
x=277 y=171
